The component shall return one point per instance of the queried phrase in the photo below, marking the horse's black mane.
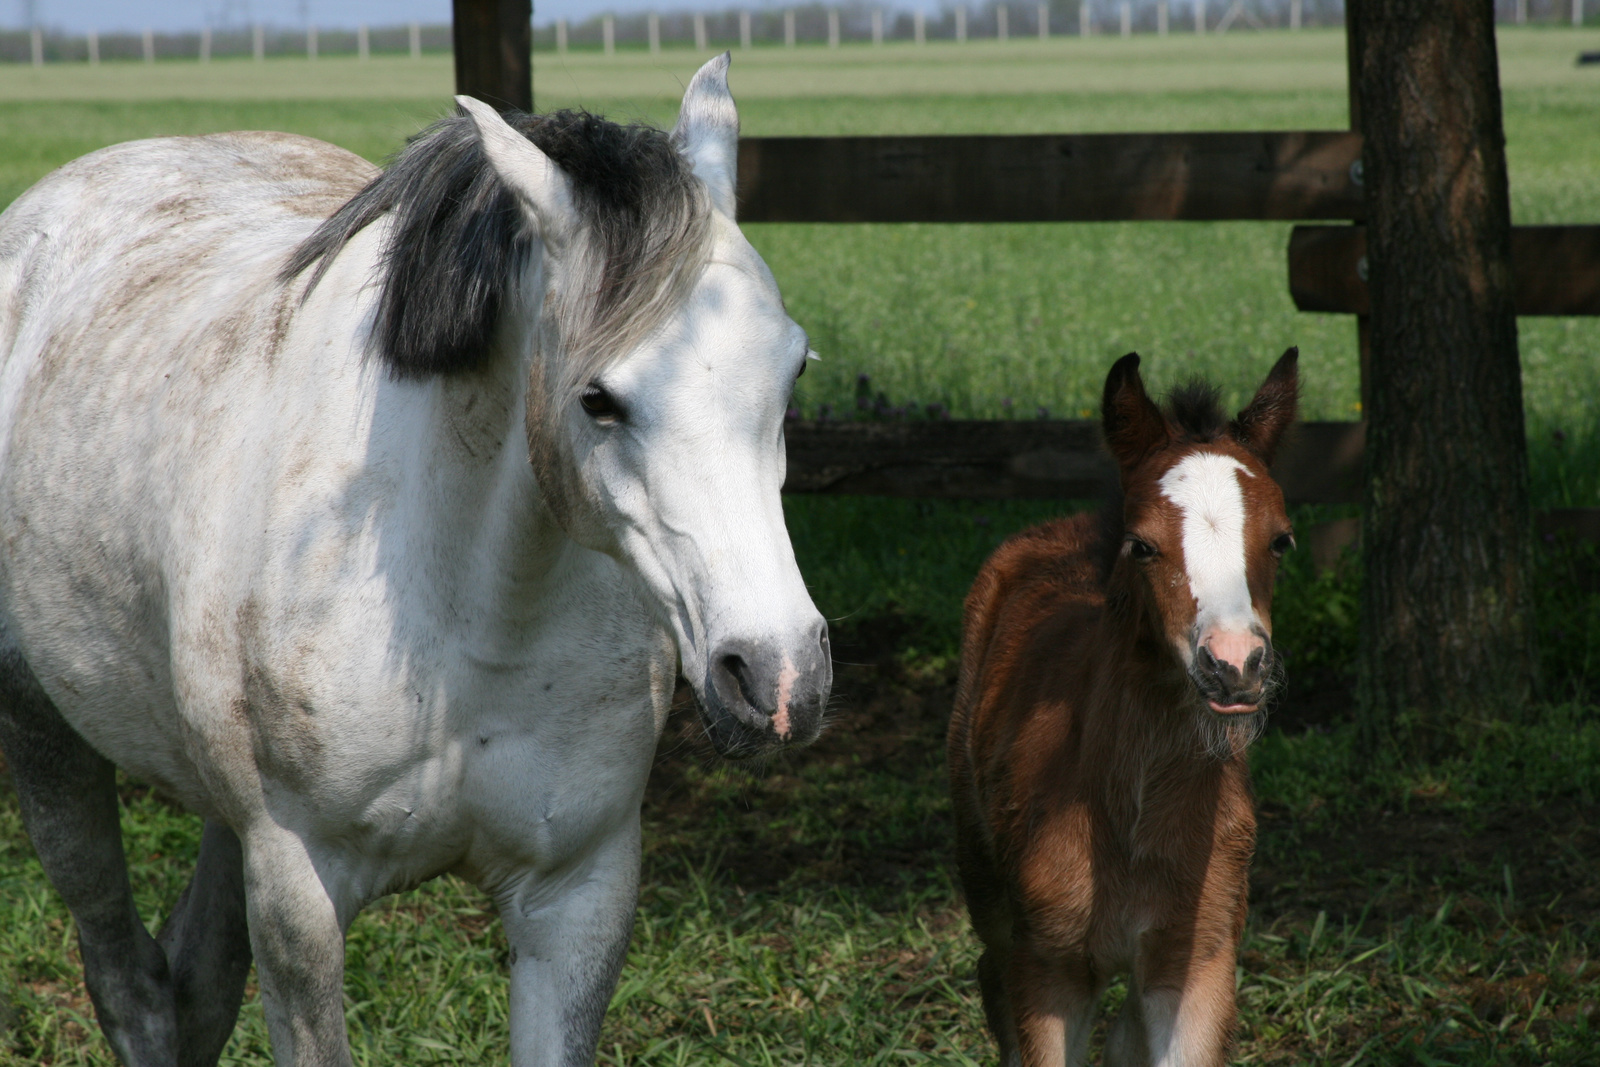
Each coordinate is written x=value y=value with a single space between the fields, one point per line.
x=459 y=239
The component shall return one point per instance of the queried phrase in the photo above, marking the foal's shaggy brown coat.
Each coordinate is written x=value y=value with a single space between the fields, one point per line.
x=1097 y=748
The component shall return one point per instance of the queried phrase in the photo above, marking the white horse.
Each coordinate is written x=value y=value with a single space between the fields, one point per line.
x=372 y=515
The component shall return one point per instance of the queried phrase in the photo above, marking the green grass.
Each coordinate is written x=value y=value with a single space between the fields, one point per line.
x=805 y=916
x=805 y=913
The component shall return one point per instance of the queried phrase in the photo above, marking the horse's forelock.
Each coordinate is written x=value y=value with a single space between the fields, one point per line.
x=1195 y=410
x=458 y=244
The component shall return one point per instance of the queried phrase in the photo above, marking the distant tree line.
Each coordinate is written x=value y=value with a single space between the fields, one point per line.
x=769 y=25
x=809 y=23
x=17 y=46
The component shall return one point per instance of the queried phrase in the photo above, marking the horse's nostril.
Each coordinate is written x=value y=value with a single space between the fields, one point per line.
x=1253 y=664
x=1208 y=662
x=734 y=666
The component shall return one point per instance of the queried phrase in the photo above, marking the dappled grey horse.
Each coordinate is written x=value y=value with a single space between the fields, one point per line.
x=372 y=516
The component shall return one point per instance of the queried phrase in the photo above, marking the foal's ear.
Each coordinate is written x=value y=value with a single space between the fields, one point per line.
x=1133 y=425
x=526 y=171
x=707 y=132
x=1260 y=426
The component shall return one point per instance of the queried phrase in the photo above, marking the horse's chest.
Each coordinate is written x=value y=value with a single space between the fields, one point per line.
x=1094 y=881
x=511 y=778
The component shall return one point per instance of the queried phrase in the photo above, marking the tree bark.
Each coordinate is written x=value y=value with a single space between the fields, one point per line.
x=1447 y=637
x=493 y=41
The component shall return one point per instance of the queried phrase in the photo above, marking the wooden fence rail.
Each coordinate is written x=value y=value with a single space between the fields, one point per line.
x=1283 y=175
x=1320 y=463
x=1557 y=269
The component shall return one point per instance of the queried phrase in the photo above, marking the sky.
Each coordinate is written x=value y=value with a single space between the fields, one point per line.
x=103 y=16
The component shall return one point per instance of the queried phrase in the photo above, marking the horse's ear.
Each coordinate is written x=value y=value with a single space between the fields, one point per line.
x=707 y=132
x=1261 y=425
x=1133 y=425
x=526 y=171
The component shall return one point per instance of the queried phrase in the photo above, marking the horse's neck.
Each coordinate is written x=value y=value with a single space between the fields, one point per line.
x=1141 y=735
x=475 y=519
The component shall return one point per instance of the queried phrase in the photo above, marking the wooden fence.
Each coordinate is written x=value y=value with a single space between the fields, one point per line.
x=1289 y=176
x=1305 y=176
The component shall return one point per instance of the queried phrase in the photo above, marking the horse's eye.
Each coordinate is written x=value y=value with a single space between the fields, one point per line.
x=802 y=370
x=1140 y=550
x=599 y=403
x=1282 y=543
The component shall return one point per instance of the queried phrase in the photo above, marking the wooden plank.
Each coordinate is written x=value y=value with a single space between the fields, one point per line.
x=1050 y=177
x=493 y=41
x=1557 y=269
x=1051 y=458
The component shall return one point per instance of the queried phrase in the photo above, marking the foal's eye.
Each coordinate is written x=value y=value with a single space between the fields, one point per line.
x=599 y=403
x=1140 y=550
x=1282 y=543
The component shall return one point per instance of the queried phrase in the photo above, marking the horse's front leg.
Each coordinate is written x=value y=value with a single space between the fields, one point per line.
x=1180 y=1010
x=299 y=950
x=568 y=936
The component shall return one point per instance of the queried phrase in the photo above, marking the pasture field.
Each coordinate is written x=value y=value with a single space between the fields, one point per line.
x=804 y=912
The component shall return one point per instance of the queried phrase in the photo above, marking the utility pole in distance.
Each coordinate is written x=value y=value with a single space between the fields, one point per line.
x=493 y=42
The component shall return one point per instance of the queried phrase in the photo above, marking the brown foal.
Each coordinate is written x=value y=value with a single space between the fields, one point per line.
x=1114 y=669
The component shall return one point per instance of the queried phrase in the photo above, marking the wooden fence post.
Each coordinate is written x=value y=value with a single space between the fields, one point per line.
x=1447 y=632
x=493 y=42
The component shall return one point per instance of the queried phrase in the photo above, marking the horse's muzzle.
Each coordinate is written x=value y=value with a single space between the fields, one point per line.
x=1236 y=674
x=759 y=696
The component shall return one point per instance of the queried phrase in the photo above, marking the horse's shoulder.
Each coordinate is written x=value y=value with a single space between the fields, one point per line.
x=1044 y=579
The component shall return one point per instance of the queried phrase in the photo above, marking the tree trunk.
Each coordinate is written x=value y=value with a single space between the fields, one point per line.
x=493 y=42
x=1447 y=637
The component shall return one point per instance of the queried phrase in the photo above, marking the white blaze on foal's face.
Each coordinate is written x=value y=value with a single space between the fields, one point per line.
x=1206 y=490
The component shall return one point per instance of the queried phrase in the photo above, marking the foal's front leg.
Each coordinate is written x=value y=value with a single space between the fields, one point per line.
x=1181 y=1009
x=568 y=935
